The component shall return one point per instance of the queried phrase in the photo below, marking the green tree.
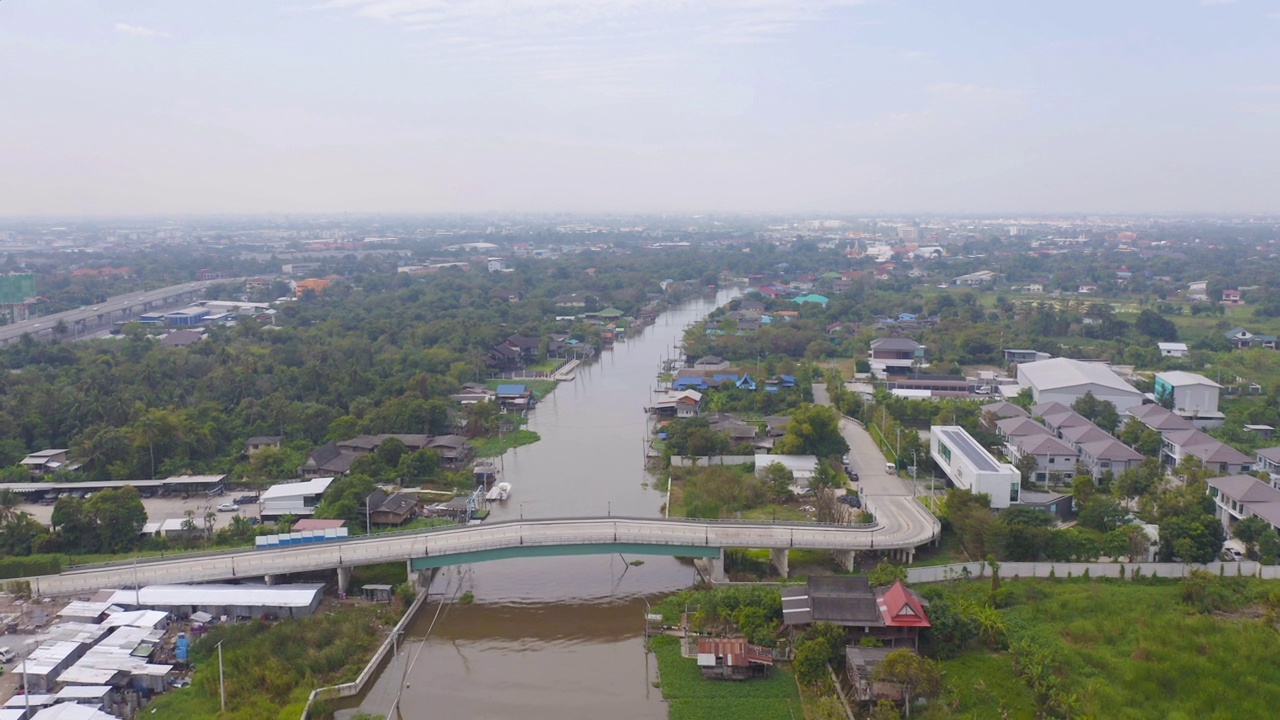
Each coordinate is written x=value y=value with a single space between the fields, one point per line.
x=886 y=573
x=917 y=676
x=1027 y=466
x=118 y=516
x=813 y=430
x=1194 y=537
x=779 y=481
x=1250 y=531
x=1103 y=514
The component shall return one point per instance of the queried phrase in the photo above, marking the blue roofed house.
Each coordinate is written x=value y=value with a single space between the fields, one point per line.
x=746 y=383
x=515 y=397
x=691 y=382
x=778 y=382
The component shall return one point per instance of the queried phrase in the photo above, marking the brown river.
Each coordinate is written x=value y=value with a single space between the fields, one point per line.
x=557 y=638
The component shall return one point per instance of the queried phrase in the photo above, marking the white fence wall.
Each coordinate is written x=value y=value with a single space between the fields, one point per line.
x=941 y=573
x=704 y=460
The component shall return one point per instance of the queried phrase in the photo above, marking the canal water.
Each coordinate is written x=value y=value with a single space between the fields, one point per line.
x=557 y=638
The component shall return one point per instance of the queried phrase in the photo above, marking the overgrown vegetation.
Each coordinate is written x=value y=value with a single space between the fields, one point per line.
x=270 y=668
x=1115 y=649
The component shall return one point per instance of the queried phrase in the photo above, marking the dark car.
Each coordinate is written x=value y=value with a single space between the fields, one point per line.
x=852 y=501
x=246 y=500
x=853 y=475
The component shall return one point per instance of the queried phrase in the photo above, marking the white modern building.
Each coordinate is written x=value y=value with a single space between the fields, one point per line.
x=1195 y=397
x=971 y=467
x=1064 y=380
x=1173 y=349
x=300 y=498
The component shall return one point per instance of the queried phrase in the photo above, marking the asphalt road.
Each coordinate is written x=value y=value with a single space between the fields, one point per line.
x=115 y=305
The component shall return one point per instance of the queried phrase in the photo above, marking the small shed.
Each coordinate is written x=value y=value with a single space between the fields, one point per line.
x=377 y=593
x=733 y=659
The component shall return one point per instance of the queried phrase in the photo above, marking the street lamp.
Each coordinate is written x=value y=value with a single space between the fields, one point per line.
x=222 y=688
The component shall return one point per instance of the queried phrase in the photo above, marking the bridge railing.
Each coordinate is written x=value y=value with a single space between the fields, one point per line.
x=383 y=536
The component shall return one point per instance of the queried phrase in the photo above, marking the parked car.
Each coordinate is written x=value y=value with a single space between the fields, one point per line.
x=7 y=655
x=228 y=507
x=246 y=500
x=853 y=476
x=891 y=468
x=851 y=500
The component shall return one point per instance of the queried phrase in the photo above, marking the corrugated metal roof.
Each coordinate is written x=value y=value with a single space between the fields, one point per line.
x=295 y=595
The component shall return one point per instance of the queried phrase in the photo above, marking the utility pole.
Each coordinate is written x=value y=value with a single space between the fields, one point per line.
x=222 y=688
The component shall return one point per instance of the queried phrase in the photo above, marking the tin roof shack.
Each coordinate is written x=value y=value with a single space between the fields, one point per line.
x=733 y=659
x=893 y=615
x=71 y=711
x=60 y=647
x=84 y=611
x=122 y=659
x=860 y=663
x=296 y=600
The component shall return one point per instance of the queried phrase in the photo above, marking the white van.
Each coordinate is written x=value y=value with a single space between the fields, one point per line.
x=891 y=468
x=7 y=655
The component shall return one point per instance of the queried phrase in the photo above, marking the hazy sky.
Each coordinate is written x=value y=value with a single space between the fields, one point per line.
x=168 y=106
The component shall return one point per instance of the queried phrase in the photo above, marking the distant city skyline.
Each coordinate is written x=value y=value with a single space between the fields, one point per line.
x=140 y=107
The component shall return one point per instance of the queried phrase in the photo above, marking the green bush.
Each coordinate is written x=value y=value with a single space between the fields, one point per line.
x=14 y=567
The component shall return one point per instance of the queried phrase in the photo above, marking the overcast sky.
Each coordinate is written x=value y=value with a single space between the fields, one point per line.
x=165 y=106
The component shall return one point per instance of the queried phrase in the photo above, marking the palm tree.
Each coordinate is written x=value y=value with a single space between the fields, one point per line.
x=9 y=501
x=148 y=426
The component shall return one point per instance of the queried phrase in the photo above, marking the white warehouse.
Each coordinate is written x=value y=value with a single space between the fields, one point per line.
x=1064 y=380
x=971 y=467
x=299 y=498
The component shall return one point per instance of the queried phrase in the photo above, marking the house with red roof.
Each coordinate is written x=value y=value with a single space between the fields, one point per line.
x=894 y=615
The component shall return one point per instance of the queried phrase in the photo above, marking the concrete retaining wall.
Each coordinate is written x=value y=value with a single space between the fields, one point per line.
x=357 y=686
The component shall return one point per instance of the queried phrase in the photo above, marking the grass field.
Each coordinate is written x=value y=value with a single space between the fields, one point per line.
x=690 y=697
x=1129 y=650
x=495 y=446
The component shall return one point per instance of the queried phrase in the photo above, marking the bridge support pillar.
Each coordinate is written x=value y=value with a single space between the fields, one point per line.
x=344 y=580
x=712 y=568
x=846 y=559
x=779 y=558
x=269 y=579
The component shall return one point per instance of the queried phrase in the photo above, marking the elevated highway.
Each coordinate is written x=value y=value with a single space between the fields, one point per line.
x=901 y=525
x=100 y=316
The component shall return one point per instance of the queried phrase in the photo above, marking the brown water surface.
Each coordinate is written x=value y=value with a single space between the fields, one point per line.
x=557 y=638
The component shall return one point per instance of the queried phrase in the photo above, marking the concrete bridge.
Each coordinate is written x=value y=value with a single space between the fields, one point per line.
x=901 y=525
x=98 y=317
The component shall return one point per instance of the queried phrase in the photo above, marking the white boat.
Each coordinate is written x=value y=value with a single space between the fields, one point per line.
x=502 y=491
